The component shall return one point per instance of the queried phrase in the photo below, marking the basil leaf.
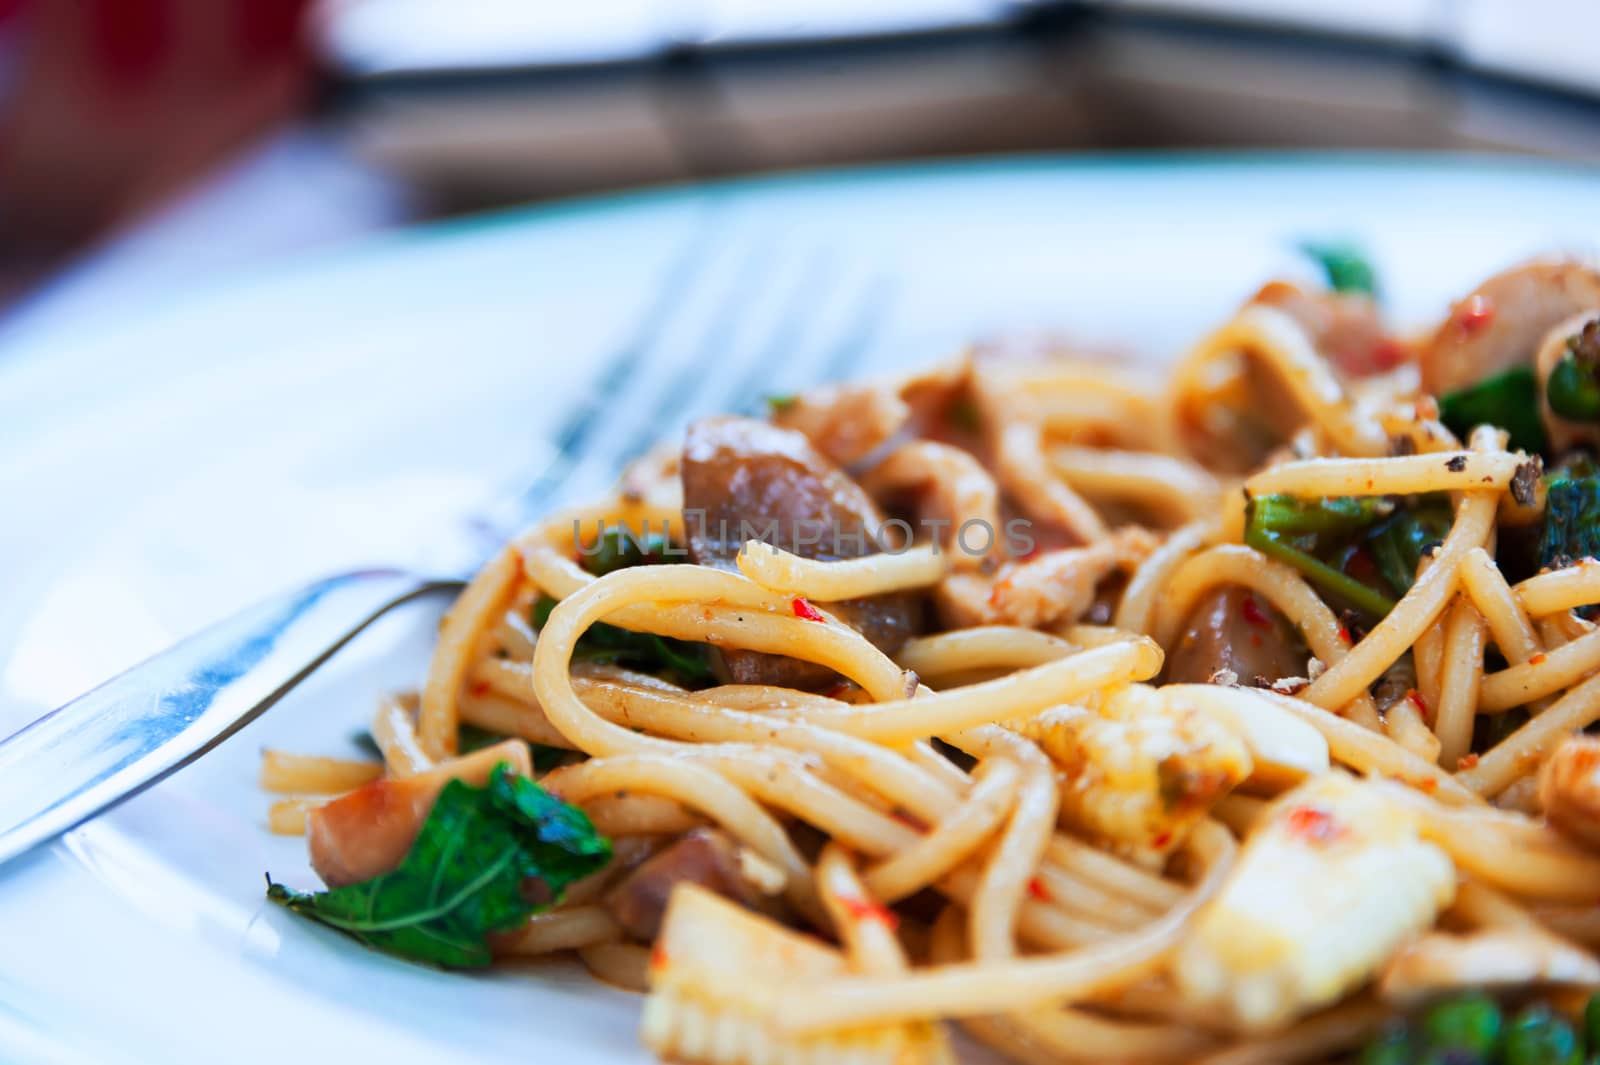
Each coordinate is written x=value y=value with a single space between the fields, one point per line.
x=466 y=875
x=471 y=738
x=1344 y=264
x=619 y=548
x=1304 y=533
x=1509 y=400
x=681 y=660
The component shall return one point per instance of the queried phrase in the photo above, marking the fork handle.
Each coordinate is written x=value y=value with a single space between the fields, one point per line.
x=117 y=740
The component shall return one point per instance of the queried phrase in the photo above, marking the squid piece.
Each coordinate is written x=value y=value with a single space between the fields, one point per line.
x=1284 y=749
x=1140 y=773
x=1332 y=882
x=846 y=422
x=718 y=976
x=1440 y=963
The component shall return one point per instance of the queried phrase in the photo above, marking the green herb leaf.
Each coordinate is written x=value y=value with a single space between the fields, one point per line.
x=683 y=661
x=1571 y=521
x=1320 y=573
x=466 y=875
x=1345 y=265
x=617 y=548
x=779 y=402
x=471 y=738
x=1573 y=389
x=1399 y=543
x=1509 y=400
x=963 y=414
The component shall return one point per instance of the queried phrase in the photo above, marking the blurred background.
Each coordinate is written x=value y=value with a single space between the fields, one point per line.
x=144 y=143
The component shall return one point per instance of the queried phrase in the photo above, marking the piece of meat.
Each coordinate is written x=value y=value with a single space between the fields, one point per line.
x=747 y=479
x=949 y=485
x=1500 y=324
x=705 y=857
x=1056 y=586
x=1235 y=630
x=1345 y=327
x=846 y=422
x=1569 y=789
x=368 y=832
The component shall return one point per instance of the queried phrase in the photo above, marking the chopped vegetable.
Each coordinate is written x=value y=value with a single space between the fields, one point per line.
x=1509 y=400
x=1302 y=533
x=1536 y=1036
x=466 y=875
x=778 y=402
x=684 y=662
x=1574 y=385
x=1345 y=265
x=470 y=738
x=1571 y=521
x=618 y=548
x=1398 y=546
x=1392 y=1046
x=1468 y=1022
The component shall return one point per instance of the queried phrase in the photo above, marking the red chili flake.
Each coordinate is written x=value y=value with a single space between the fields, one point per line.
x=906 y=819
x=861 y=910
x=1344 y=634
x=1475 y=315
x=1162 y=840
x=1427 y=785
x=803 y=609
x=479 y=688
x=1537 y=659
x=1387 y=354
x=1037 y=889
x=1467 y=761
x=1314 y=825
x=1252 y=612
x=1415 y=699
x=658 y=957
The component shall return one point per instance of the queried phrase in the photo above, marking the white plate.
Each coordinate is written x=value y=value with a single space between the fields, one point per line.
x=157 y=473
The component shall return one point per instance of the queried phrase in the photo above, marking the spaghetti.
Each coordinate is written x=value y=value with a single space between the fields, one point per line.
x=1194 y=753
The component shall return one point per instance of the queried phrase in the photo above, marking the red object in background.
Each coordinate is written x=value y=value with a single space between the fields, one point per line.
x=113 y=105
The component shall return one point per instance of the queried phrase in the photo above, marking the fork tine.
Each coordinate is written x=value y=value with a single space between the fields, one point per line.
x=678 y=386
x=689 y=395
x=684 y=272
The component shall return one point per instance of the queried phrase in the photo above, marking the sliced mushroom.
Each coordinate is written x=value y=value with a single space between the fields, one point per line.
x=706 y=857
x=747 y=478
x=1235 y=631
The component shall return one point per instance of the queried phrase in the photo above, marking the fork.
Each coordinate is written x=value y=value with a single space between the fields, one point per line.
x=139 y=727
